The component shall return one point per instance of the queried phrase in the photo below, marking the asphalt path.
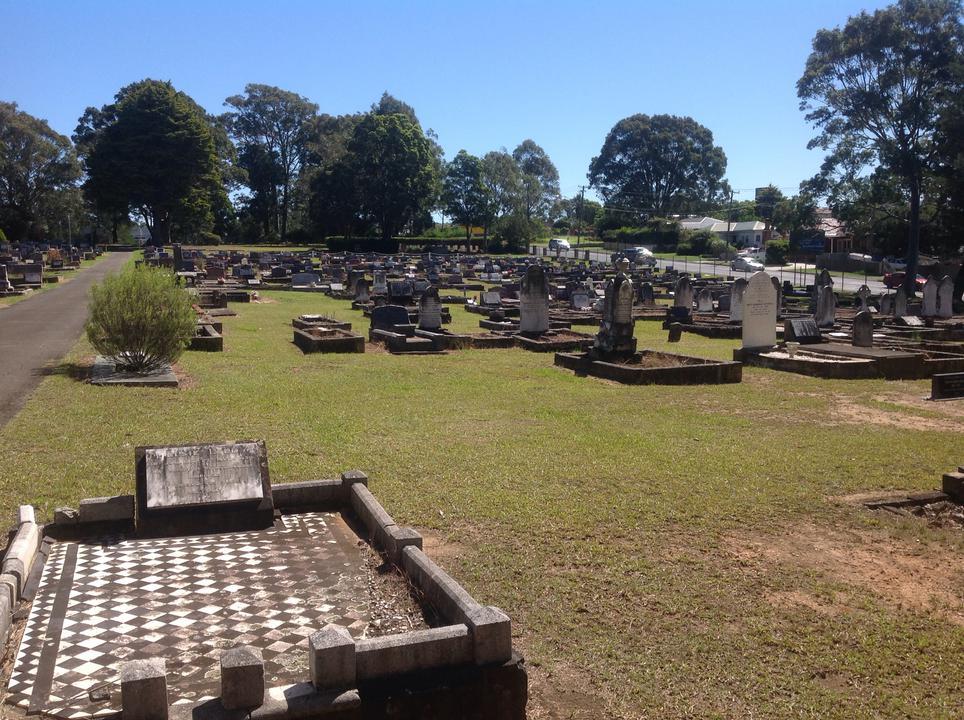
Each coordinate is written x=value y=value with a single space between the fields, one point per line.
x=35 y=333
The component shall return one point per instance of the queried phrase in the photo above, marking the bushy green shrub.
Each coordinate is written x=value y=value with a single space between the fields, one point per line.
x=140 y=318
x=720 y=248
x=777 y=251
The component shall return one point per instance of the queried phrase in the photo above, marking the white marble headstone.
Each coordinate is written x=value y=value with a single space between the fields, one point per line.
x=759 y=312
x=194 y=475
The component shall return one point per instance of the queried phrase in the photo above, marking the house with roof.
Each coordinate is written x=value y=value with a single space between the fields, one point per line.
x=739 y=234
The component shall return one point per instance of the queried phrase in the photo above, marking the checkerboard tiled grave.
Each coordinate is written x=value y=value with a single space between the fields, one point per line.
x=185 y=599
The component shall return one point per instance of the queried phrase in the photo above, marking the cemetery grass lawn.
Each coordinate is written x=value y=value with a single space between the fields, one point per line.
x=65 y=277
x=663 y=552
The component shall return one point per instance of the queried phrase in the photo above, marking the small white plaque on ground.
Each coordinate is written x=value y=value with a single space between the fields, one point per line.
x=194 y=475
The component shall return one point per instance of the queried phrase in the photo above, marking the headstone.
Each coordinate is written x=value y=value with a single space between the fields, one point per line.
x=900 y=302
x=947 y=386
x=401 y=291
x=683 y=296
x=704 y=301
x=380 y=286
x=863 y=329
x=305 y=279
x=5 y=285
x=863 y=295
x=802 y=330
x=737 y=290
x=826 y=307
x=779 y=290
x=646 y=294
x=361 y=290
x=534 y=302
x=386 y=317
x=945 y=298
x=759 y=312
x=204 y=484
x=929 y=296
x=616 y=329
x=430 y=311
x=887 y=304
x=675 y=332
x=579 y=300
x=723 y=303
x=492 y=298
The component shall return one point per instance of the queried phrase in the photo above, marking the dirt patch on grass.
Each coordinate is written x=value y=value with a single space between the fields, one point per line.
x=903 y=573
x=438 y=547
x=559 y=694
x=846 y=410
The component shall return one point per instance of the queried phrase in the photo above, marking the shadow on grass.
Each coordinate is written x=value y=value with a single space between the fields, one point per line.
x=75 y=371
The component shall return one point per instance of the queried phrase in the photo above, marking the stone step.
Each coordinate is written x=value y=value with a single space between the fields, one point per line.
x=953 y=485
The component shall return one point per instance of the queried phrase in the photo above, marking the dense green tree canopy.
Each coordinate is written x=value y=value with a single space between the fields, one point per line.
x=540 y=180
x=660 y=164
x=154 y=151
x=394 y=168
x=464 y=194
x=876 y=91
x=37 y=165
x=278 y=123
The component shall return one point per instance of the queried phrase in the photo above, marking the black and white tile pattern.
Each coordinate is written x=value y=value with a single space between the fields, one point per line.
x=185 y=599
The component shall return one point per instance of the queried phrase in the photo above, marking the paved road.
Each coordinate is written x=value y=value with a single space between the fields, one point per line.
x=39 y=330
x=851 y=282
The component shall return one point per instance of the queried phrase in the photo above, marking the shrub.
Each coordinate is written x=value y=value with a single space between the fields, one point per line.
x=720 y=248
x=777 y=251
x=140 y=318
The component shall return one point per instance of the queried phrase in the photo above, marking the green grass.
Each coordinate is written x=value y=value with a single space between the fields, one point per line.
x=603 y=518
x=65 y=277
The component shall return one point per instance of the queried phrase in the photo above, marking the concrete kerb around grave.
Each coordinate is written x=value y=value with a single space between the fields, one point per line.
x=18 y=566
x=475 y=635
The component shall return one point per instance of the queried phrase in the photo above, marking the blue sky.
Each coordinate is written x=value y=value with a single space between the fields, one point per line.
x=483 y=76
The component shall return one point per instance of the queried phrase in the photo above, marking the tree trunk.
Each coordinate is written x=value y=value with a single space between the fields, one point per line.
x=162 y=226
x=468 y=234
x=284 y=210
x=913 y=239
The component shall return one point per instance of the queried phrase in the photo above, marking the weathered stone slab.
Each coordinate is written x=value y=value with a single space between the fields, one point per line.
x=144 y=690
x=947 y=386
x=192 y=475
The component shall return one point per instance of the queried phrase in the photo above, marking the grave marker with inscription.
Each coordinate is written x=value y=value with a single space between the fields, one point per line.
x=203 y=488
x=759 y=312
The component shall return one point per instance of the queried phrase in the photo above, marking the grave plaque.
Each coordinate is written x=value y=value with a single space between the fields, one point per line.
x=203 y=488
x=802 y=330
x=759 y=312
x=202 y=475
x=947 y=386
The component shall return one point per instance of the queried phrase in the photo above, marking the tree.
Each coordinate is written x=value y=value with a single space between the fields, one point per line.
x=36 y=164
x=394 y=170
x=275 y=120
x=153 y=151
x=876 y=89
x=795 y=213
x=390 y=105
x=766 y=202
x=464 y=195
x=660 y=164
x=540 y=180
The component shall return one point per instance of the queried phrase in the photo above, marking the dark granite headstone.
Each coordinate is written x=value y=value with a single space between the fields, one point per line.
x=947 y=386
x=386 y=317
x=801 y=330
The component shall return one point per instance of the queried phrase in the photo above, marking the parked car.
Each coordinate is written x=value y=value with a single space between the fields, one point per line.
x=746 y=263
x=638 y=255
x=894 y=280
x=559 y=244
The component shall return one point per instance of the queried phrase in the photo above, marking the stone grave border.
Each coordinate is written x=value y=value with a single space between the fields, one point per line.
x=693 y=371
x=473 y=648
x=339 y=341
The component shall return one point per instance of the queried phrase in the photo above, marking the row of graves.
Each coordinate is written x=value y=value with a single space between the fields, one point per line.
x=29 y=266
x=210 y=592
